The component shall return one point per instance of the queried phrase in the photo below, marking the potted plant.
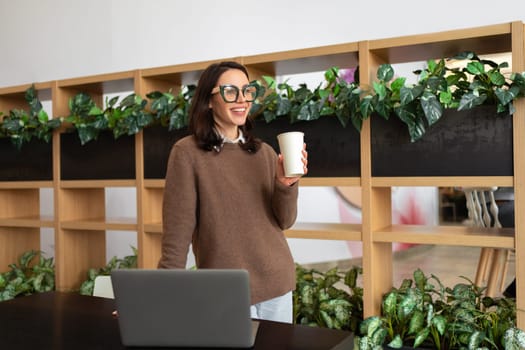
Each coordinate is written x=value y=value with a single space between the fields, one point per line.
x=422 y=313
x=329 y=299
x=28 y=277
x=22 y=126
x=103 y=136
x=449 y=109
x=25 y=148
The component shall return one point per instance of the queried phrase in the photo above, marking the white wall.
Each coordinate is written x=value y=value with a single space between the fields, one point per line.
x=43 y=40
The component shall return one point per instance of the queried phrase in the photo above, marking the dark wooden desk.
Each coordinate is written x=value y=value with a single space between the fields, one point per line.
x=58 y=320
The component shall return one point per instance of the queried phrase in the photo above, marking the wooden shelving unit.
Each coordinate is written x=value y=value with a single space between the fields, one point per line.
x=20 y=217
x=79 y=218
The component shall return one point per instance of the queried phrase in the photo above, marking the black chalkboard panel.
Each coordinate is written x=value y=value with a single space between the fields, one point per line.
x=333 y=150
x=158 y=142
x=33 y=162
x=105 y=158
x=474 y=142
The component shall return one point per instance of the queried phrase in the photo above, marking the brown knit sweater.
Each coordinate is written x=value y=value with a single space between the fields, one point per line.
x=229 y=205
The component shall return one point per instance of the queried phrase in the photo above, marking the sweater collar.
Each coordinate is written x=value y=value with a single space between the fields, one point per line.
x=239 y=138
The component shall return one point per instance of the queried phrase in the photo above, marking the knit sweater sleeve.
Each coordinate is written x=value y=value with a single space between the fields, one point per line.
x=284 y=202
x=178 y=209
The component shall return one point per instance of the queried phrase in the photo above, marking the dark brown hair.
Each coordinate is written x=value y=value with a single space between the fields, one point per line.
x=201 y=123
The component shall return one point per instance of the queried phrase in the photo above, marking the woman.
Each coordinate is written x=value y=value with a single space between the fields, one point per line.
x=226 y=194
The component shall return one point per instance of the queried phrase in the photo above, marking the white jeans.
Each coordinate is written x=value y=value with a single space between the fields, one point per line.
x=278 y=309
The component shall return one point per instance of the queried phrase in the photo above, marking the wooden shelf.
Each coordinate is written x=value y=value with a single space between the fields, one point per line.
x=117 y=224
x=447 y=235
x=20 y=185
x=465 y=181
x=331 y=231
x=330 y=181
x=148 y=183
x=29 y=221
x=97 y=183
x=153 y=228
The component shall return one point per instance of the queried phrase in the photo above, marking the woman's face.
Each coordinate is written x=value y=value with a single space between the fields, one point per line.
x=229 y=116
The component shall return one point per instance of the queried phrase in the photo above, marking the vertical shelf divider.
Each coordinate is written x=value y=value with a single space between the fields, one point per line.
x=518 y=65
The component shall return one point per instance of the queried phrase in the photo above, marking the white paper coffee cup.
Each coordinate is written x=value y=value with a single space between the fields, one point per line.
x=291 y=147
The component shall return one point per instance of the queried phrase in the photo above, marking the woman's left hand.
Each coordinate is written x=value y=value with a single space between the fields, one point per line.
x=289 y=181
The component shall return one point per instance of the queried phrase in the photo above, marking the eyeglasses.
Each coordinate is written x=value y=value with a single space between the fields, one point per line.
x=230 y=93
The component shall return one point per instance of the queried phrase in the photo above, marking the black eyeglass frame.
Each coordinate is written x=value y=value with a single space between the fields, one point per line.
x=220 y=89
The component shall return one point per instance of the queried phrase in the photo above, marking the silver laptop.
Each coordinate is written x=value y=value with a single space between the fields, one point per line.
x=184 y=308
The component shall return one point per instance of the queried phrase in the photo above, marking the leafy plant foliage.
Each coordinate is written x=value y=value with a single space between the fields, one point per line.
x=419 y=106
x=172 y=110
x=125 y=118
x=424 y=313
x=21 y=126
x=334 y=97
x=128 y=262
x=330 y=299
x=28 y=277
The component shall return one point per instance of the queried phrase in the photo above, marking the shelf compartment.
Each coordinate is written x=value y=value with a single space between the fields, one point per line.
x=317 y=59
x=15 y=241
x=473 y=142
x=447 y=235
x=97 y=224
x=333 y=151
x=80 y=251
x=27 y=221
x=14 y=97
x=33 y=162
x=95 y=86
x=333 y=231
x=101 y=83
x=173 y=76
x=158 y=142
x=15 y=203
x=482 y=40
x=103 y=158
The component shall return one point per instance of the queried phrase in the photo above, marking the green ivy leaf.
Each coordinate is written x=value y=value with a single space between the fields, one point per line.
x=416 y=322
x=397 y=342
x=440 y=322
x=421 y=336
x=475 y=340
x=471 y=100
x=385 y=72
x=431 y=107
x=475 y=68
x=409 y=94
x=496 y=78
